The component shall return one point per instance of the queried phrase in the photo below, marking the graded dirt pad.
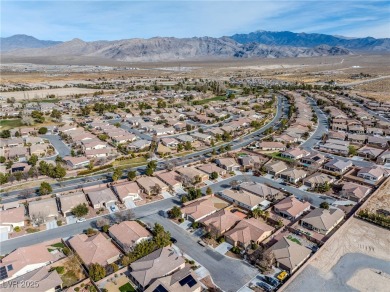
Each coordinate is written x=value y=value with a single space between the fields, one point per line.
x=350 y=261
x=381 y=201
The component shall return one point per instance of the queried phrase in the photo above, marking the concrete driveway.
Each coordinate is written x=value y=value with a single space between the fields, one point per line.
x=130 y=204
x=186 y=224
x=70 y=219
x=51 y=225
x=166 y=195
x=223 y=248
x=3 y=234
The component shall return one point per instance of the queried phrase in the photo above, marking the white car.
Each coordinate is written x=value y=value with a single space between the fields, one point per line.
x=81 y=220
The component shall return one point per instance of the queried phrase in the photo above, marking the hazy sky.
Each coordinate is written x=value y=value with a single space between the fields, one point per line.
x=110 y=20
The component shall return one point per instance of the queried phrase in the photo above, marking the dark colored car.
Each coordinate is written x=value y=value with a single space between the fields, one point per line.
x=173 y=240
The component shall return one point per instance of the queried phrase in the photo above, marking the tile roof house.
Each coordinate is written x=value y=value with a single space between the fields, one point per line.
x=373 y=173
x=184 y=280
x=158 y=264
x=322 y=221
x=128 y=233
x=248 y=231
x=95 y=249
x=243 y=199
x=369 y=152
x=24 y=260
x=102 y=198
x=265 y=145
x=260 y=190
x=127 y=191
x=295 y=153
x=275 y=167
x=313 y=159
x=210 y=168
x=43 y=210
x=338 y=165
x=289 y=255
x=12 y=218
x=171 y=178
x=228 y=163
x=293 y=175
x=76 y=162
x=291 y=208
x=354 y=192
x=68 y=202
x=192 y=174
x=317 y=179
x=220 y=222
x=198 y=209
x=251 y=161
x=148 y=182
x=46 y=280
x=384 y=157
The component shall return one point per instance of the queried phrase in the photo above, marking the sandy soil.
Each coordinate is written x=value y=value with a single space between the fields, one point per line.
x=336 y=267
x=363 y=280
x=381 y=200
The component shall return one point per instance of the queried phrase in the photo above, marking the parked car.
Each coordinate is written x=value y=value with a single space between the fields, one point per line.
x=173 y=240
x=201 y=242
x=272 y=281
x=81 y=220
x=112 y=207
x=264 y=286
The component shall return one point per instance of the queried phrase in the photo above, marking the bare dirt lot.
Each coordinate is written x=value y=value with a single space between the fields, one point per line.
x=360 y=249
x=381 y=201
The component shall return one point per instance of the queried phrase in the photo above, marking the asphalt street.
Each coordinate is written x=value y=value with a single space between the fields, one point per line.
x=58 y=144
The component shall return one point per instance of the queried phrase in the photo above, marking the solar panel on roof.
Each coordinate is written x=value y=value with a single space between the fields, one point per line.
x=160 y=288
x=189 y=280
x=3 y=273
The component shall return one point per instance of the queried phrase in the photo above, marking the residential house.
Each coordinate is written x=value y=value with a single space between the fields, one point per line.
x=289 y=255
x=384 y=157
x=171 y=178
x=338 y=165
x=291 y=208
x=19 y=153
x=244 y=199
x=369 y=152
x=68 y=202
x=274 y=146
x=274 y=167
x=98 y=153
x=219 y=222
x=170 y=142
x=380 y=142
x=147 y=184
x=184 y=138
x=354 y=192
x=228 y=163
x=198 y=209
x=248 y=231
x=293 y=175
x=318 y=179
x=156 y=265
x=202 y=137
x=76 y=162
x=139 y=145
x=295 y=153
x=322 y=220
x=20 y=166
x=259 y=189
x=24 y=260
x=128 y=233
x=314 y=159
x=184 y=280
x=357 y=138
x=38 y=149
x=43 y=279
x=11 y=218
x=210 y=168
x=127 y=191
x=335 y=146
x=95 y=249
x=373 y=173
x=193 y=174
x=43 y=210
x=249 y=162
x=102 y=198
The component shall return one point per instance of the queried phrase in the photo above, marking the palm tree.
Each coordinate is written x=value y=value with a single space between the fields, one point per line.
x=256 y=213
x=266 y=215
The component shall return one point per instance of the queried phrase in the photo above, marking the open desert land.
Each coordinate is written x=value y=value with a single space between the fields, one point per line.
x=356 y=258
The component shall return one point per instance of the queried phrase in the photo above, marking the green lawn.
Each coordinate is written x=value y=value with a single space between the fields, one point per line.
x=58 y=245
x=207 y=100
x=131 y=162
x=126 y=288
x=276 y=155
x=294 y=239
x=10 y=124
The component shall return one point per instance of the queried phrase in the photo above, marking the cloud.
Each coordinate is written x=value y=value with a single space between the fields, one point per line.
x=96 y=20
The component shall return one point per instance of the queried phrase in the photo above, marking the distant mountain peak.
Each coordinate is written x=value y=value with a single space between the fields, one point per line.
x=23 y=41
